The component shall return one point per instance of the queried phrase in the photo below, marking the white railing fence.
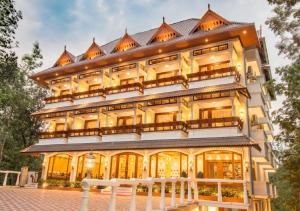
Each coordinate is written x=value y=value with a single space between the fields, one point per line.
x=149 y=182
x=6 y=173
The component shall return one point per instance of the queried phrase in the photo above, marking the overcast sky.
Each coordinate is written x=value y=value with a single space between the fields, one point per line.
x=55 y=23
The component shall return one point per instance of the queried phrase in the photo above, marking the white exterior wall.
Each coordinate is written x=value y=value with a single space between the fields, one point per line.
x=211 y=82
x=50 y=141
x=58 y=104
x=162 y=89
x=121 y=137
x=84 y=139
x=88 y=100
x=214 y=132
x=123 y=95
x=163 y=135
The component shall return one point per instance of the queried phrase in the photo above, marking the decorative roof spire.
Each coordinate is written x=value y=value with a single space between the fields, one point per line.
x=164 y=20
x=208 y=6
x=126 y=30
x=65 y=48
x=93 y=39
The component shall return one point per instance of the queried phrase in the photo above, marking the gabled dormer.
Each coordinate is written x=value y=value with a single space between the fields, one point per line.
x=125 y=43
x=65 y=58
x=163 y=33
x=209 y=21
x=93 y=51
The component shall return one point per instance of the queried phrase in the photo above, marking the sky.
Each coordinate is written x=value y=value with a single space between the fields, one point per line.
x=74 y=23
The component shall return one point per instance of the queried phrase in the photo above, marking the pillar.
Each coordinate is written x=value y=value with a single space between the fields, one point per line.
x=74 y=168
x=107 y=166
x=45 y=167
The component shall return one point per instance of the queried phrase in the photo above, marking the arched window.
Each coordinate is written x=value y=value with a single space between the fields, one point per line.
x=98 y=170
x=59 y=167
x=219 y=164
x=168 y=164
x=126 y=165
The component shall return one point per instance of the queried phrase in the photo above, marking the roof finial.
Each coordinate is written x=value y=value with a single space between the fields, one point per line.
x=164 y=20
x=208 y=6
x=65 y=48
x=93 y=39
x=126 y=30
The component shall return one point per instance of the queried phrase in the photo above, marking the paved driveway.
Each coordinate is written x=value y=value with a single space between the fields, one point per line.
x=21 y=199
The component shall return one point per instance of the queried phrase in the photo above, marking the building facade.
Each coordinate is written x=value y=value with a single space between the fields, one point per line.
x=183 y=99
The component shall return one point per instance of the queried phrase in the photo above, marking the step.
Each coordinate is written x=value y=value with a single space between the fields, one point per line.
x=121 y=191
x=32 y=185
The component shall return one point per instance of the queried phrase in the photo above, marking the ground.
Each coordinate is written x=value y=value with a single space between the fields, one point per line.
x=23 y=199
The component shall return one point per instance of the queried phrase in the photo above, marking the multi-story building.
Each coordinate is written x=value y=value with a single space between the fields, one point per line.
x=183 y=99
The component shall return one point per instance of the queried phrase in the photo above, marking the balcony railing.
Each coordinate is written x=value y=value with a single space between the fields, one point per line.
x=61 y=98
x=218 y=73
x=164 y=126
x=179 y=79
x=215 y=123
x=90 y=93
x=54 y=134
x=125 y=88
x=121 y=129
x=84 y=132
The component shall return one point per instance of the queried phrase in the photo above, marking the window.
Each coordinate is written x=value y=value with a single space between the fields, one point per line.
x=98 y=170
x=128 y=120
x=94 y=87
x=126 y=166
x=90 y=124
x=59 y=167
x=219 y=164
x=64 y=92
x=168 y=164
x=165 y=117
x=215 y=113
x=60 y=127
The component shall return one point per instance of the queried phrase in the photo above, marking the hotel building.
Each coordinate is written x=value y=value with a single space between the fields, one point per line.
x=183 y=99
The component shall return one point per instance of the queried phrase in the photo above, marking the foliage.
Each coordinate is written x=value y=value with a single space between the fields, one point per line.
x=285 y=24
x=19 y=96
x=60 y=183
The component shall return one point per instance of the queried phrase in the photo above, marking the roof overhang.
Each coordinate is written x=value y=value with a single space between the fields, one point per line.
x=246 y=33
x=240 y=141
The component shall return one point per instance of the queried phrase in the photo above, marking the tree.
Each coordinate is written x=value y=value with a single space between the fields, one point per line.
x=285 y=24
x=19 y=96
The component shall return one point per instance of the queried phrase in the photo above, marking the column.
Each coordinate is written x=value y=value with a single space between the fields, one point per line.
x=45 y=167
x=110 y=77
x=179 y=111
x=146 y=163
x=191 y=62
x=107 y=166
x=74 y=168
x=180 y=64
x=5 y=179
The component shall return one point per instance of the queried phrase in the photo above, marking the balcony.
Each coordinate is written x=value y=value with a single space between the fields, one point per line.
x=121 y=133
x=124 y=91
x=262 y=189
x=164 y=130
x=55 y=137
x=213 y=77
x=168 y=84
x=88 y=96
x=58 y=101
x=215 y=127
x=80 y=135
x=263 y=155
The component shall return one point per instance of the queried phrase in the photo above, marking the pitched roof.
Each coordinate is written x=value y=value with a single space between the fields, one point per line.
x=164 y=33
x=65 y=58
x=125 y=43
x=239 y=141
x=93 y=51
x=209 y=21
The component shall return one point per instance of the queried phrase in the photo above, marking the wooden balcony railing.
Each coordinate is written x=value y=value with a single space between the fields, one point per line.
x=89 y=93
x=54 y=134
x=179 y=79
x=125 y=88
x=61 y=98
x=121 y=129
x=164 y=126
x=218 y=73
x=215 y=123
x=85 y=132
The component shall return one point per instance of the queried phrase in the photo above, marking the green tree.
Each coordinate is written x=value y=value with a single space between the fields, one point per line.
x=285 y=24
x=19 y=96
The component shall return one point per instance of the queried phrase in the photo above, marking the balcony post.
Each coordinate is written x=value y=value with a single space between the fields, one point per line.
x=18 y=179
x=196 y=196
x=149 y=198
x=180 y=64
x=219 y=192
x=110 y=77
x=133 y=198
x=162 y=204
x=73 y=168
x=245 y=193
x=189 y=191
x=191 y=62
x=113 y=198
x=181 y=192
x=5 y=178
x=134 y=115
x=85 y=196
x=173 y=194
x=179 y=111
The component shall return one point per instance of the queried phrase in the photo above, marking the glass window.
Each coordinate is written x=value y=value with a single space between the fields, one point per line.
x=59 y=167
x=98 y=170
x=90 y=124
x=60 y=127
x=165 y=117
x=126 y=166
x=169 y=164
x=219 y=164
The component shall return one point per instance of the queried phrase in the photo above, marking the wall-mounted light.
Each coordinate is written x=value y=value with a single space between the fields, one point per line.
x=159 y=50
x=206 y=40
x=242 y=112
